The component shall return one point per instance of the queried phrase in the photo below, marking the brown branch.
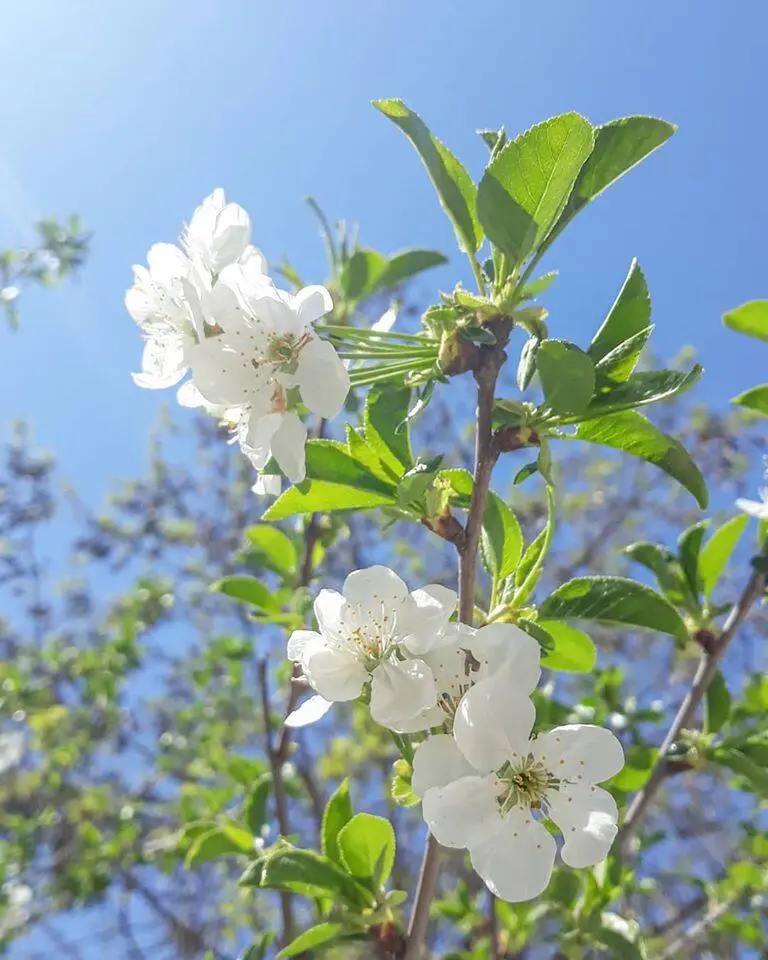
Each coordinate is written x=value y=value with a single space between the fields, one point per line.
x=486 y=454
x=705 y=673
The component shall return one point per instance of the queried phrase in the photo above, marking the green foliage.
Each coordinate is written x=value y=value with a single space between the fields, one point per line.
x=573 y=651
x=367 y=847
x=323 y=935
x=717 y=705
x=717 y=551
x=455 y=189
x=631 y=433
x=501 y=539
x=528 y=182
x=613 y=600
x=567 y=376
x=750 y=319
x=338 y=812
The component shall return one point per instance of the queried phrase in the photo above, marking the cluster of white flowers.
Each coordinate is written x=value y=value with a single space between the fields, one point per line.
x=485 y=783
x=212 y=310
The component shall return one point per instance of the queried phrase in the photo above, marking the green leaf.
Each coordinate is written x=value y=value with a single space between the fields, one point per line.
x=574 y=651
x=619 y=146
x=750 y=318
x=337 y=814
x=332 y=461
x=386 y=407
x=415 y=483
x=501 y=539
x=360 y=274
x=639 y=390
x=323 y=935
x=689 y=548
x=455 y=189
x=539 y=285
x=256 y=805
x=534 y=629
x=633 y=434
x=619 y=363
x=406 y=264
x=735 y=760
x=219 y=842
x=754 y=399
x=717 y=704
x=613 y=600
x=363 y=452
x=567 y=376
x=312 y=875
x=527 y=183
x=527 y=365
x=717 y=551
x=367 y=845
x=246 y=590
x=666 y=568
x=627 y=319
x=320 y=496
x=272 y=548
x=620 y=948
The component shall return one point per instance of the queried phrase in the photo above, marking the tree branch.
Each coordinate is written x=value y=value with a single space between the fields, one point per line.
x=486 y=454
x=705 y=673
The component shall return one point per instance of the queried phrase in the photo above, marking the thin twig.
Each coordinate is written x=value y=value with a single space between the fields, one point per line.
x=486 y=374
x=705 y=673
x=683 y=945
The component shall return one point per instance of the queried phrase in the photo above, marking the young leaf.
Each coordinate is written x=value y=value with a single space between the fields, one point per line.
x=567 y=376
x=613 y=600
x=619 y=146
x=273 y=549
x=501 y=539
x=527 y=366
x=667 y=570
x=619 y=363
x=750 y=318
x=320 y=496
x=639 y=390
x=386 y=407
x=739 y=763
x=256 y=805
x=527 y=183
x=717 y=551
x=332 y=461
x=246 y=590
x=323 y=935
x=219 y=842
x=363 y=452
x=629 y=316
x=632 y=433
x=307 y=873
x=360 y=274
x=367 y=845
x=455 y=189
x=574 y=651
x=337 y=814
x=689 y=547
x=534 y=287
x=406 y=264
x=717 y=704
x=755 y=399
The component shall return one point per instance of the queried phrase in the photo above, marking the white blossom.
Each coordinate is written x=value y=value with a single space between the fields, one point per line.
x=11 y=750
x=495 y=811
x=361 y=639
x=219 y=234
x=16 y=910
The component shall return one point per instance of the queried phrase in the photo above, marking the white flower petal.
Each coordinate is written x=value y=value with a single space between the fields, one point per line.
x=167 y=263
x=438 y=762
x=580 y=752
x=259 y=431
x=329 y=607
x=311 y=303
x=423 y=622
x=299 y=641
x=375 y=587
x=267 y=485
x=289 y=447
x=310 y=711
x=588 y=818
x=754 y=508
x=463 y=813
x=516 y=862
x=498 y=645
x=401 y=689
x=386 y=321
x=222 y=375
x=322 y=378
x=162 y=364
x=493 y=724
x=333 y=672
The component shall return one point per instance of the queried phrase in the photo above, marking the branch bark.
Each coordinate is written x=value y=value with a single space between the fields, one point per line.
x=486 y=453
x=705 y=673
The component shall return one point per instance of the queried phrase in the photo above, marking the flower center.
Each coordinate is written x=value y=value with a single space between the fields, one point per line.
x=524 y=784
x=370 y=633
x=285 y=348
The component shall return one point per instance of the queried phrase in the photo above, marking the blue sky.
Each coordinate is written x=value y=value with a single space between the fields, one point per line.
x=129 y=113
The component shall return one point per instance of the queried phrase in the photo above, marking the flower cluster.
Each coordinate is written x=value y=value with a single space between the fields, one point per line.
x=485 y=782
x=210 y=308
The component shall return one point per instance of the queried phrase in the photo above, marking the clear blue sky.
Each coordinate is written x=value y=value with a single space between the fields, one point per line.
x=129 y=113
